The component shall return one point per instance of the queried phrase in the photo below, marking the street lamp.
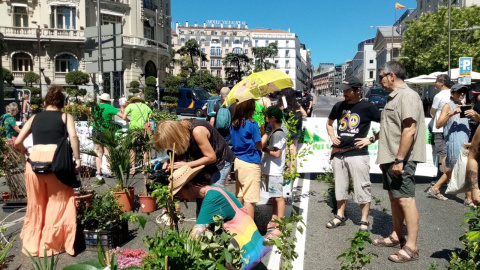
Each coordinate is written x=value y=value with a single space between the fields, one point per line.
x=39 y=32
x=2 y=103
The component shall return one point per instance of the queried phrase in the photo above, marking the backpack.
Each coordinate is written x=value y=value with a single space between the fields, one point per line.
x=210 y=104
x=3 y=131
x=223 y=119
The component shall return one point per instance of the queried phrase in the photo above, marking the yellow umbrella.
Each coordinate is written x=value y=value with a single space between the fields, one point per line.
x=259 y=84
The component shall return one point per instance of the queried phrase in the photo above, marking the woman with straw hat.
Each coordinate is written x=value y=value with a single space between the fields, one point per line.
x=105 y=111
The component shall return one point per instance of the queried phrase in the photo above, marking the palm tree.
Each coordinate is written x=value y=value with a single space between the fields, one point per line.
x=238 y=60
x=192 y=49
x=262 y=53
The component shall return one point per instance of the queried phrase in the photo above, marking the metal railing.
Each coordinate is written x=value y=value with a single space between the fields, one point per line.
x=24 y=32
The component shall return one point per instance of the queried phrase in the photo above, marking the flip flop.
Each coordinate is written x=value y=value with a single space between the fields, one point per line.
x=411 y=255
x=364 y=223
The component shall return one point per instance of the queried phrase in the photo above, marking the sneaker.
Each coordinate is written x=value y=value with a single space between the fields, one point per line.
x=99 y=177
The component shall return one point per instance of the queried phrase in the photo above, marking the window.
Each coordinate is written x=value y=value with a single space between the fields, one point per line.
x=371 y=75
x=287 y=52
x=246 y=51
x=226 y=51
x=212 y=63
x=266 y=43
x=286 y=43
x=256 y=43
x=219 y=73
x=191 y=33
x=66 y=63
x=237 y=41
x=245 y=41
x=203 y=63
x=22 y=62
x=182 y=40
x=237 y=50
x=227 y=41
x=371 y=61
x=148 y=31
x=203 y=50
x=287 y=63
x=202 y=40
x=213 y=72
x=111 y=19
x=276 y=63
x=63 y=17
x=287 y=71
x=20 y=17
x=182 y=32
x=189 y=94
x=219 y=63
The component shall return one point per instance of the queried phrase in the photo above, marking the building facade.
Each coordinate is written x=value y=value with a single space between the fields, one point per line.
x=217 y=40
x=59 y=28
x=363 y=65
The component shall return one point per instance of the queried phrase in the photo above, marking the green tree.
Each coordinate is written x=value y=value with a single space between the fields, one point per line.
x=77 y=78
x=204 y=79
x=192 y=49
x=262 y=53
x=31 y=78
x=134 y=85
x=171 y=90
x=425 y=42
x=241 y=62
x=7 y=77
x=150 y=89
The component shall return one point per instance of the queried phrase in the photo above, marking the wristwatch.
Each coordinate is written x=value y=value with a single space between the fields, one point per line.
x=397 y=160
x=371 y=139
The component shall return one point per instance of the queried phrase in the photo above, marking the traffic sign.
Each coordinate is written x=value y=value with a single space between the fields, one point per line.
x=108 y=66
x=465 y=64
x=467 y=80
x=107 y=30
x=107 y=54
x=107 y=42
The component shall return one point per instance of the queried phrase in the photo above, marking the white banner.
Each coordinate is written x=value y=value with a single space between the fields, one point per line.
x=319 y=161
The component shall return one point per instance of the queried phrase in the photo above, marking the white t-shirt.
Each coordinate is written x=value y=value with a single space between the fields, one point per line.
x=271 y=165
x=438 y=101
x=122 y=101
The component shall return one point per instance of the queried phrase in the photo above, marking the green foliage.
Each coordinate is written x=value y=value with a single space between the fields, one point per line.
x=192 y=49
x=7 y=76
x=134 y=84
x=291 y=158
x=355 y=258
x=470 y=257
x=327 y=178
x=44 y=263
x=171 y=90
x=160 y=115
x=285 y=243
x=425 y=42
x=104 y=213
x=262 y=53
x=433 y=266
x=151 y=81
x=150 y=90
x=36 y=99
x=31 y=78
x=241 y=63
x=204 y=79
x=77 y=77
x=75 y=92
x=5 y=249
x=78 y=111
x=209 y=251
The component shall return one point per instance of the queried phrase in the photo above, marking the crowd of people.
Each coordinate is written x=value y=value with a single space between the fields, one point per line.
x=250 y=138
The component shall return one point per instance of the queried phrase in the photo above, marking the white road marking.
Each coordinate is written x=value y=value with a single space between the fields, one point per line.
x=14 y=222
x=274 y=260
x=301 y=238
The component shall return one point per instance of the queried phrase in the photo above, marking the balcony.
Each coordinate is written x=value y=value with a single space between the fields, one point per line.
x=117 y=1
x=31 y=33
x=60 y=75
x=143 y=42
x=18 y=75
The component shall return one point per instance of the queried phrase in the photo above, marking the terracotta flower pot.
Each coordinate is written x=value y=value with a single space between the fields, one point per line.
x=125 y=201
x=148 y=203
x=131 y=194
x=86 y=198
x=5 y=196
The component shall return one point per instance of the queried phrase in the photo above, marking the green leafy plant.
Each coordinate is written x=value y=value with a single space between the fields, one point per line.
x=104 y=212
x=7 y=77
x=31 y=78
x=355 y=258
x=161 y=115
x=5 y=249
x=285 y=243
x=78 y=111
x=77 y=77
x=134 y=85
x=36 y=99
x=150 y=89
x=433 y=266
x=75 y=92
x=469 y=258
x=46 y=263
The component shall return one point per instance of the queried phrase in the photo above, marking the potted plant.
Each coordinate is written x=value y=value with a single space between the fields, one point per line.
x=12 y=168
x=329 y=194
x=102 y=221
x=84 y=194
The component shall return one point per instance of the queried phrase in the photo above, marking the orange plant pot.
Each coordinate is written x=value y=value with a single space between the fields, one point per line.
x=87 y=199
x=5 y=196
x=148 y=203
x=125 y=201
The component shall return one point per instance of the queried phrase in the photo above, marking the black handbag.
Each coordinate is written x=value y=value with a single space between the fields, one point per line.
x=62 y=163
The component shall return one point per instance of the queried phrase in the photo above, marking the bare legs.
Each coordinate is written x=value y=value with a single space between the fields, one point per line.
x=249 y=206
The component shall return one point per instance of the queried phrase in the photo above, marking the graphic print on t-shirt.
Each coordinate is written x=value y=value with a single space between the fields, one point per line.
x=348 y=124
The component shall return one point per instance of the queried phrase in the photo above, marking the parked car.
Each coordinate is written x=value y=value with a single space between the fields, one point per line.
x=376 y=96
x=191 y=101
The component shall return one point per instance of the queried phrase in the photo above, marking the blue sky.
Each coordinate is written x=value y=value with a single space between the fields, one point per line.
x=330 y=29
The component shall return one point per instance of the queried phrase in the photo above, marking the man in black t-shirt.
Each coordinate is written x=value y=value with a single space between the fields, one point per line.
x=307 y=102
x=474 y=114
x=350 y=153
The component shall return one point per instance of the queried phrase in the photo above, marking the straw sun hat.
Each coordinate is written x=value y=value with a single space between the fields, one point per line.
x=105 y=97
x=183 y=175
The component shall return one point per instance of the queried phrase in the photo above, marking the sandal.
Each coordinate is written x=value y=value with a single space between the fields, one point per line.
x=364 y=223
x=274 y=234
x=393 y=242
x=436 y=194
x=468 y=203
x=411 y=255
x=335 y=225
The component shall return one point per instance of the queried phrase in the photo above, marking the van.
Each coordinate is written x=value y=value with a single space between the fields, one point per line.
x=376 y=96
x=191 y=101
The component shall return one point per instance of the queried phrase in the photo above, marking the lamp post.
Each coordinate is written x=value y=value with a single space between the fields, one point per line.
x=2 y=103
x=39 y=32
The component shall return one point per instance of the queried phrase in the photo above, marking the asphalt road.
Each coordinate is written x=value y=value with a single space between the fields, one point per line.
x=318 y=247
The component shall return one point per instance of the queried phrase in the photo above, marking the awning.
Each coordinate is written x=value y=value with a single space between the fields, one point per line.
x=109 y=12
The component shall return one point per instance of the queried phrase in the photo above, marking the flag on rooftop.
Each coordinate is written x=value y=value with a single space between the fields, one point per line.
x=398 y=6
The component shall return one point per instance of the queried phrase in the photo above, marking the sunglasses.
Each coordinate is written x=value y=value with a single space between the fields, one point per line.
x=383 y=76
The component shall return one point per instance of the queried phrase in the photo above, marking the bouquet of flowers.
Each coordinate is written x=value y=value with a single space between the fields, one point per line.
x=129 y=257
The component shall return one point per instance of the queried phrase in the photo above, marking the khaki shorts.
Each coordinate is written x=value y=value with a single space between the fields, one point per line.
x=402 y=186
x=358 y=169
x=248 y=177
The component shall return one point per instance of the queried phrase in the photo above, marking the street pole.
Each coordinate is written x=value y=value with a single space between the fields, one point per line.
x=2 y=102
x=449 y=33
x=100 y=56
x=39 y=59
x=158 y=69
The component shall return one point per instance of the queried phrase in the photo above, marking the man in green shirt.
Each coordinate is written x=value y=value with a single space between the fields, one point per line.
x=107 y=111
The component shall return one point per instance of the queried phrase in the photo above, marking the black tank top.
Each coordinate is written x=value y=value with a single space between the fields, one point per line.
x=218 y=143
x=48 y=127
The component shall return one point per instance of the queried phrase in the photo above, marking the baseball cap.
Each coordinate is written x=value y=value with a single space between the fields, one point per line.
x=275 y=112
x=349 y=83
x=458 y=87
